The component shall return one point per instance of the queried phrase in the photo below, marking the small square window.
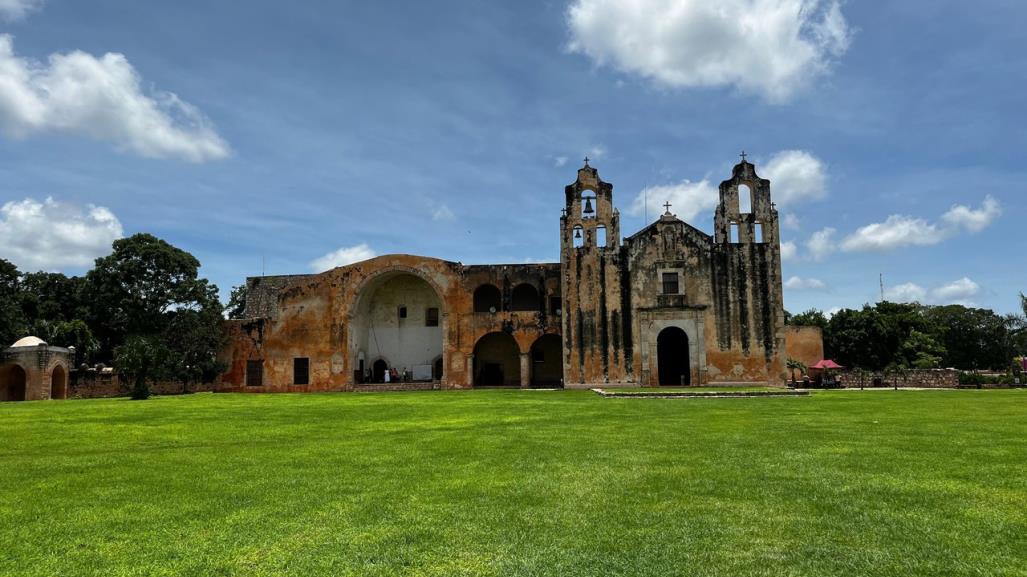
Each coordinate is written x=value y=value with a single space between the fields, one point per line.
x=301 y=371
x=670 y=283
x=254 y=373
x=431 y=317
x=403 y=312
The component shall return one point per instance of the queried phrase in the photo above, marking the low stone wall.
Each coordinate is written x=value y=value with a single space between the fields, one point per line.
x=918 y=378
x=93 y=386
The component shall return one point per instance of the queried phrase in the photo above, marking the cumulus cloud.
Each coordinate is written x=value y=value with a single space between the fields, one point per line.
x=768 y=47
x=342 y=257
x=901 y=231
x=51 y=235
x=810 y=284
x=17 y=9
x=100 y=98
x=442 y=214
x=688 y=199
x=821 y=244
x=962 y=292
x=789 y=250
x=966 y=218
x=791 y=221
x=796 y=176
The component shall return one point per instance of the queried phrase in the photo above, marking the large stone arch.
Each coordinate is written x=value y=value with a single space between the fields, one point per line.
x=497 y=361
x=59 y=385
x=402 y=350
x=13 y=382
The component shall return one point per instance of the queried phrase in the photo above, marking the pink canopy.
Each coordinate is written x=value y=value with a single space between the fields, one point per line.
x=826 y=364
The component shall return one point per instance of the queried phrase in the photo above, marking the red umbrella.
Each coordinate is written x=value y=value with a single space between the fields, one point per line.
x=827 y=364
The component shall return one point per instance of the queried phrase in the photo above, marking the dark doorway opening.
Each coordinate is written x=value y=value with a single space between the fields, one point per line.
x=547 y=362
x=438 y=369
x=378 y=368
x=497 y=361
x=12 y=383
x=672 y=358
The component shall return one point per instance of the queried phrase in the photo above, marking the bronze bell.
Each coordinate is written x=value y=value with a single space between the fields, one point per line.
x=588 y=207
x=577 y=233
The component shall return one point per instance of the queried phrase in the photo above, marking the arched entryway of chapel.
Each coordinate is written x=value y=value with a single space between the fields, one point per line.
x=497 y=361
x=59 y=382
x=398 y=322
x=673 y=358
x=547 y=362
x=13 y=382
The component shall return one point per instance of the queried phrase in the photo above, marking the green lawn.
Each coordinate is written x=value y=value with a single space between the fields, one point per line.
x=516 y=483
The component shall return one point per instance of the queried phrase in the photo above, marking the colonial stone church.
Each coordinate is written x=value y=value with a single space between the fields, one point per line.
x=669 y=305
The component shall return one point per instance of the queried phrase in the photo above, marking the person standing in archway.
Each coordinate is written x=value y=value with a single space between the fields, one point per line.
x=388 y=375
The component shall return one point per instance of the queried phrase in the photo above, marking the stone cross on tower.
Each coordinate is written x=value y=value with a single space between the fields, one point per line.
x=666 y=205
x=744 y=155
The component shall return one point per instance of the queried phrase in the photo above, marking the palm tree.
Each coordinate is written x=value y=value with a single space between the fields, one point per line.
x=795 y=365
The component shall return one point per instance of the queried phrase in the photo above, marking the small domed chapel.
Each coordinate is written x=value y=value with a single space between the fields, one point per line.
x=669 y=305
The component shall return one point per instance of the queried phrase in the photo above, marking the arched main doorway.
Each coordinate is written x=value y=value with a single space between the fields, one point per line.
x=672 y=357
x=12 y=383
x=497 y=361
x=397 y=320
x=547 y=362
x=59 y=383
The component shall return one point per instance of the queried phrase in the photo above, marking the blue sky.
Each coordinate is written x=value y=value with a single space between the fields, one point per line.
x=309 y=134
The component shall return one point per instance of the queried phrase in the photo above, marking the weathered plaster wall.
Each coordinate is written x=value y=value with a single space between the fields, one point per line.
x=804 y=344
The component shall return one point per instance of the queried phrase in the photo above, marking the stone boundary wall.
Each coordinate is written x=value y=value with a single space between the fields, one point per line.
x=106 y=386
x=919 y=378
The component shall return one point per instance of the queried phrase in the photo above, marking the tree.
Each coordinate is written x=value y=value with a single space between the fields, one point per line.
x=135 y=287
x=810 y=318
x=972 y=338
x=13 y=324
x=920 y=351
x=140 y=359
x=237 y=302
x=194 y=338
x=795 y=365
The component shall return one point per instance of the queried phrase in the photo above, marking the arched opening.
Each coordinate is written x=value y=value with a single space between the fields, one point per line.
x=378 y=369
x=672 y=358
x=588 y=205
x=59 y=383
x=497 y=361
x=744 y=199
x=12 y=383
x=524 y=298
x=379 y=330
x=487 y=299
x=439 y=365
x=547 y=362
x=578 y=237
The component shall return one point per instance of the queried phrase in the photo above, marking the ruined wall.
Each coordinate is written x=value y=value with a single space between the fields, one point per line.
x=917 y=378
x=804 y=344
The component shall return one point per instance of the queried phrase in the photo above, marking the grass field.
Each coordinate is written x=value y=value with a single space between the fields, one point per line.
x=510 y=483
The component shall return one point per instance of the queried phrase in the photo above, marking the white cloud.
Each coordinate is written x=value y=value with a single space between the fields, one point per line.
x=791 y=221
x=101 y=98
x=962 y=291
x=811 y=284
x=789 y=250
x=51 y=235
x=442 y=214
x=796 y=176
x=688 y=199
x=342 y=257
x=17 y=9
x=964 y=217
x=821 y=244
x=897 y=231
x=559 y=161
x=901 y=231
x=596 y=152
x=767 y=47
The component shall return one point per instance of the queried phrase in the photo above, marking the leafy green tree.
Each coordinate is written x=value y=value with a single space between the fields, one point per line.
x=237 y=302
x=13 y=324
x=809 y=318
x=795 y=365
x=194 y=337
x=972 y=338
x=921 y=351
x=141 y=359
x=51 y=296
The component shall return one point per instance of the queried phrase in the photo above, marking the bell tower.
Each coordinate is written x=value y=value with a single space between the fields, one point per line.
x=591 y=277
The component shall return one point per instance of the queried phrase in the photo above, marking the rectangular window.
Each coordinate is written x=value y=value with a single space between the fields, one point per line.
x=254 y=373
x=758 y=232
x=670 y=283
x=431 y=317
x=402 y=312
x=734 y=232
x=301 y=371
x=555 y=304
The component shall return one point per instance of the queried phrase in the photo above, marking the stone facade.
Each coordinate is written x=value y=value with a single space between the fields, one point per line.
x=668 y=305
x=914 y=378
x=804 y=344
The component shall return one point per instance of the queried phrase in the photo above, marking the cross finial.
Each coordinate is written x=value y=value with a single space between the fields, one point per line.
x=666 y=205
x=744 y=155
x=586 y=161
